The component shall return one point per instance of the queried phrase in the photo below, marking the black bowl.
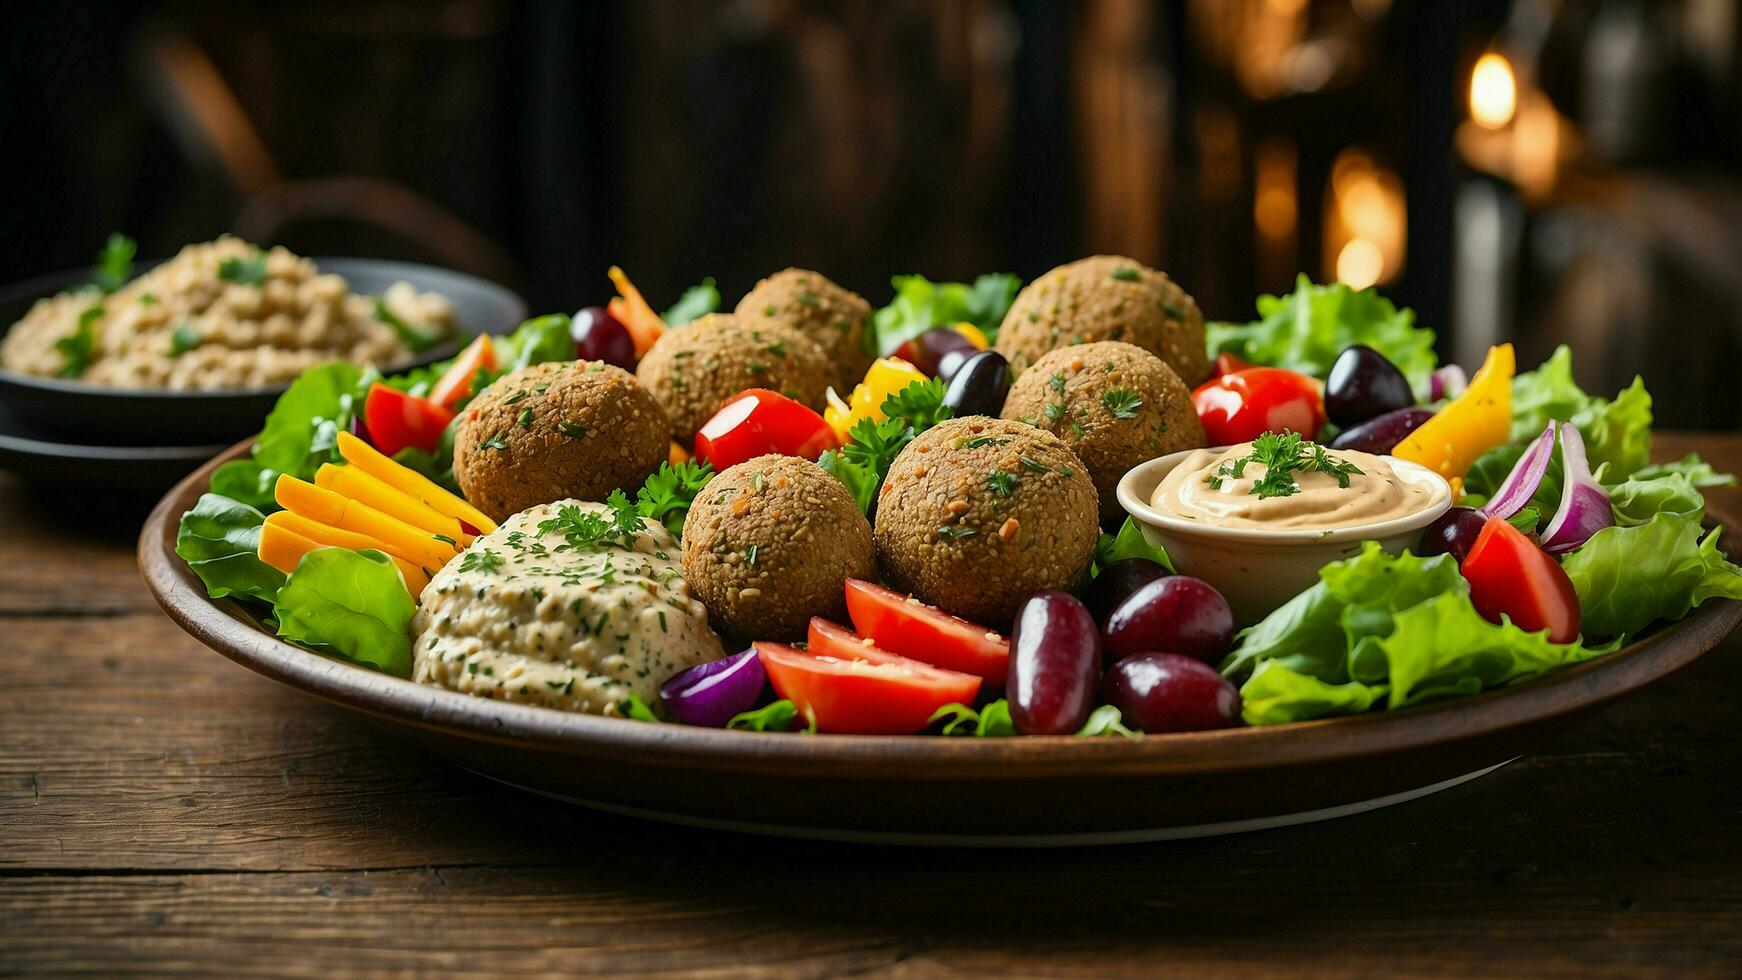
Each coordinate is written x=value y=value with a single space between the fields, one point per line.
x=89 y=414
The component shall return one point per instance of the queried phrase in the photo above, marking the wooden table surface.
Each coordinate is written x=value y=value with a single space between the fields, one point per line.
x=164 y=811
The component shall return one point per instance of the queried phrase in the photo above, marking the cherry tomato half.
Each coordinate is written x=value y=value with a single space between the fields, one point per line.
x=397 y=420
x=867 y=693
x=456 y=382
x=904 y=625
x=1240 y=407
x=1509 y=575
x=758 y=422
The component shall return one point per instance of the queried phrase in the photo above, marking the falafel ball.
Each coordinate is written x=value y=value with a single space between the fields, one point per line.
x=838 y=319
x=1106 y=297
x=978 y=514
x=1115 y=404
x=693 y=369
x=556 y=430
x=769 y=543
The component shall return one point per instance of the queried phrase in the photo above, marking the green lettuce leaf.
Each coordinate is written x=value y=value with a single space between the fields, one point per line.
x=1617 y=432
x=352 y=603
x=1444 y=648
x=1306 y=330
x=698 y=300
x=1629 y=577
x=1277 y=695
x=1691 y=466
x=1638 y=500
x=536 y=341
x=218 y=539
x=921 y=304
x=1354 y=598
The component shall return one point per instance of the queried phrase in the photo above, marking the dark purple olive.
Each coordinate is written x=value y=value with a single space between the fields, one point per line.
x=1452 y=533
x=1176 y=614
x=600 y=337
x=711 y=693
x=978 y=387
x=1364 y=385
x=1167 y=692
x=1117 y=581
x=1381 y=435
x=952 y=362
x=931 y=348
x=360 y=428
x=1055 y=659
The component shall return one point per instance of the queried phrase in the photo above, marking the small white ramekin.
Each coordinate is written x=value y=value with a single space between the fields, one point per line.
x=1258 y=570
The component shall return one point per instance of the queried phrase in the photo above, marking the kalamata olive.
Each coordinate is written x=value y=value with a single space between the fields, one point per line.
x=1176 y=614
x=360 y=428
x=1167 y=692
x=1055 y=659
x=1382 y=434
x=929 y=350
x=978 y=387
x=1363 y=385
x=600 y=337
x=1452 y=533
x=1117 y=581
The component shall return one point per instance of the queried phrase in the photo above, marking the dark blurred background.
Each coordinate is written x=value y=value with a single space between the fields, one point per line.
x=1538 y=171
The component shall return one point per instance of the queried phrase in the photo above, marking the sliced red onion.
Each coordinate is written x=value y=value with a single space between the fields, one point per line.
x=1447 y=382
x=710 y=694
x=1518 y=487
x=1585 y=508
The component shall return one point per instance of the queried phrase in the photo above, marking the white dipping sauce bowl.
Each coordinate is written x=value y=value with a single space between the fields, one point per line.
x=1258 y=570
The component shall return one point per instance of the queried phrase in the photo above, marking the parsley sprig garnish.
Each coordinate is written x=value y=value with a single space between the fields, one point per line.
x=585 y=528
x=871 y=446
x=1282 y=455
x=667 y=494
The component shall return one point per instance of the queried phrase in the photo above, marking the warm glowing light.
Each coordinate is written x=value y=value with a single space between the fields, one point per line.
x=1493 y=91
x=1359 y=264
x=1274 y=208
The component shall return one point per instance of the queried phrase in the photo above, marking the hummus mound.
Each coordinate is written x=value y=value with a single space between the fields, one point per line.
x=550 y=618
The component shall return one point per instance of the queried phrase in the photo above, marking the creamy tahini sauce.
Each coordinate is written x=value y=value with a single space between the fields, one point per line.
x=1377 y=493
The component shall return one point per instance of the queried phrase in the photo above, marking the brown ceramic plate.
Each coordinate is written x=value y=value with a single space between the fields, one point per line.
x=1017 y=791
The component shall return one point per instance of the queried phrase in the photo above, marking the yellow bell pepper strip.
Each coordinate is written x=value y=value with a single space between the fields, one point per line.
x=326 y=507
x=349 y=481
x=886 y=376
x=410 y=482
x=677 y=455
x=643 y=323
x=283 y=548
x=1470 y=425
x=973 y=334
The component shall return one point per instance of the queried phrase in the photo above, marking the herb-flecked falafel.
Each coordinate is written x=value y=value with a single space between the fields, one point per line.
x=977 y=514
x=694 y=369
x=1115 y=405
x=550 y=431
x=838 y=319
x=1106 y=297
x=770 y=542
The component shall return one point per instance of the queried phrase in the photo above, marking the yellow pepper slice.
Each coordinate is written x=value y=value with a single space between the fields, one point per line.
x=1470 y=425
x=886 y=376
x=974 y=335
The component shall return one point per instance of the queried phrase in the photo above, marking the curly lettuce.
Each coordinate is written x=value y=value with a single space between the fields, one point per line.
x=1306 y=330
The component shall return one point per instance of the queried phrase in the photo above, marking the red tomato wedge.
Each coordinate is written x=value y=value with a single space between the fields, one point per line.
x=1240 y=407
x=1509 y=575
x=906 y=626
x=397 y=420
x=871 y=693
x=456 y=382
x=758 y=422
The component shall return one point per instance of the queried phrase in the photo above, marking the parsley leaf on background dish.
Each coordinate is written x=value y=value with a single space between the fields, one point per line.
x=1307 y=329
x=921 y=304
x=78 y=348
x=114 y=263
x=417 y=340
x=244 y=272
x=698 y=300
